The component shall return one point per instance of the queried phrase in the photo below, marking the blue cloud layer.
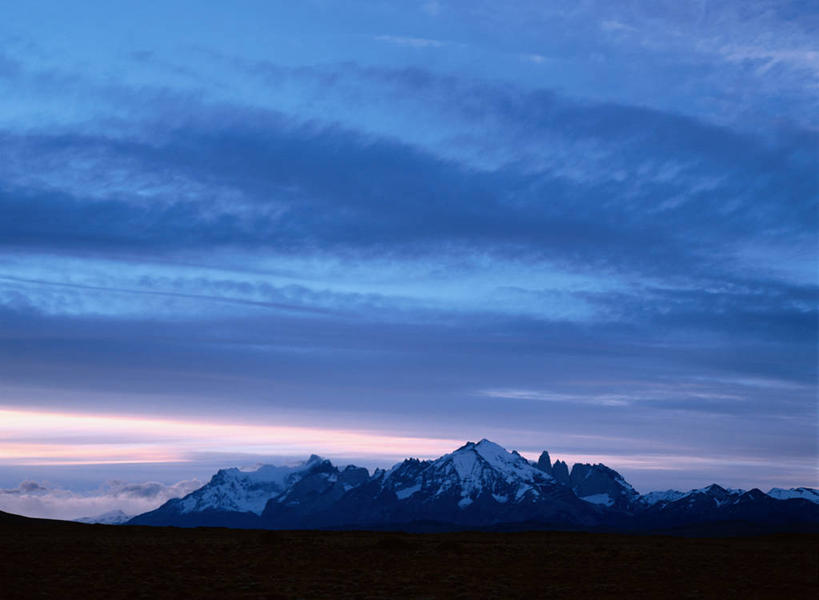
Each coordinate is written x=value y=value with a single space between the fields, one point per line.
x=529 y=221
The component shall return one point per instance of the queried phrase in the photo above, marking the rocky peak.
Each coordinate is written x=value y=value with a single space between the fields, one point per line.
x=560 y=471
x=352 y=476
x=544 y=463
x=752 y=495
x=601 y=485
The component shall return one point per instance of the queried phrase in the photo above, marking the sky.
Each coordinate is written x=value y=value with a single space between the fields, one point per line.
x=245 y=232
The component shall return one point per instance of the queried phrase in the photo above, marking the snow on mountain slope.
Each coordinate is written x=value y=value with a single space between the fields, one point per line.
x=476 y=467
x=602 y=499
x=601 y=485
x=239 y=490
x=712 y=494
x=666 y=496
x=478 y=485
x=719 y=494
x=482 y=469
x=693 y=502
x=801 y=492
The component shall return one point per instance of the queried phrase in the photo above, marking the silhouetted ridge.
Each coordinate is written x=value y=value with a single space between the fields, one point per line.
x=479 y=485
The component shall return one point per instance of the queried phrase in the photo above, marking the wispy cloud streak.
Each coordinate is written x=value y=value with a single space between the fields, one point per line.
x=42 y=438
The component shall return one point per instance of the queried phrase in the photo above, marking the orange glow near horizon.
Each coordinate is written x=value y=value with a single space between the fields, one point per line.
x=52 y=438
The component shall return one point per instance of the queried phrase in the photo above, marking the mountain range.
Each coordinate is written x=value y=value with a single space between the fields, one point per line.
x=478 y=486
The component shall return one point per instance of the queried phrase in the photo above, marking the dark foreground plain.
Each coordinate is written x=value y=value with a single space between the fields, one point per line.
x=55 y=559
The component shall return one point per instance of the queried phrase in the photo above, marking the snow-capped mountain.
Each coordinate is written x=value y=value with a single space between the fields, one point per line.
x=112 y=517
x=800 y=492
x=597 y=484
x=601 y=485
x=241 y=498
x=664 y=497
x=478 y=485
x=720 y=496
x=244 y=490
x=470 y=473
x=715 y=509
x=707 y=497
x=694 y=502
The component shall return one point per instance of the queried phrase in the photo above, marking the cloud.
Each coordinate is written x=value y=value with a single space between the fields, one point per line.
x=38 y=438
x=534 y=58
x=544 y=396
x=304 y=188
x=38 y=499
x=209 y=229
x=242 y=181
x=432 y=8
x=688 y=56
x=613 y=25
x=806 y=59
x=706 y=395
x=412 y=42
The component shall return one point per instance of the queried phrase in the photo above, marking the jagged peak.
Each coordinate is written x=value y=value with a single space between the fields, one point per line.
x=483 y=443
x=488 y=448
x=716 y=490
x=264 y=474
x=477 y=474
x=805 y=493
x=484 y=447
x=560 y=471
x=754 y=493
x=484 y=457
x=599 y=466
x=544 y=463
x=489 y=451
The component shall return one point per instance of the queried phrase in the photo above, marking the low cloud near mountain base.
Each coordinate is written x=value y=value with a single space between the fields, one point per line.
x=37 y=499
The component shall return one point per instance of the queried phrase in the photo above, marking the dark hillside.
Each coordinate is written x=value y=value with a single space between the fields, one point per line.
x=53 y=559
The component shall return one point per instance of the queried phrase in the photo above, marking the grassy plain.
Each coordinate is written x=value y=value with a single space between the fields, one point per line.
x=53 y=559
